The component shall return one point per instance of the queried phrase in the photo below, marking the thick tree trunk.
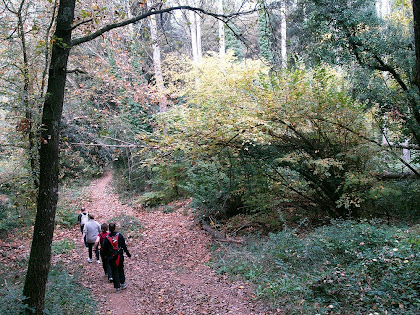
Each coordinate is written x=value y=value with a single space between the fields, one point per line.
x=39 y=260
x=416 y=14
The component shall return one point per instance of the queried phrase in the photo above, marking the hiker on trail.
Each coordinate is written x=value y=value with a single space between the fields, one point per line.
x=114 y=245
x=83 y=218
x=99 y=245
x=90 y=232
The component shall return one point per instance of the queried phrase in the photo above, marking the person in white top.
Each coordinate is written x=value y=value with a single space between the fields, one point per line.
x=91 y=231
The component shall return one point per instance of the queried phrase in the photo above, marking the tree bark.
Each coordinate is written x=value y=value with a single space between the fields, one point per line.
x=416 y=17
x=40 y=256
x=222 y=48
x=198 y=33
x=283 y=34
x=193 y=30
x=157 y=63
x=416 y=14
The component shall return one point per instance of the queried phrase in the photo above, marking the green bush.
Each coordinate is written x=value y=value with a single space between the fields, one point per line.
x=209 y=185
x=151 y=199
x=398 y=199
x=344 y=268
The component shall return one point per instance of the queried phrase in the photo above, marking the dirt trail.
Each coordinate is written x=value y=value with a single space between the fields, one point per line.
x=167 y=273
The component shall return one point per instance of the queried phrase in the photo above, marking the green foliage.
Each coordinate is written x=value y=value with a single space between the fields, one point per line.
x=17 y=193
x=209 y=185
x=271 y=139
x=129 y=226
x=12 y=301
x=65 y=295
x=233 y=43
x=70 y=199
x=66 y=216
x=397 y=199
x=62 y=246
x=346 y=267
x=264 y=37
x=376 y=50
x=128 y=183
x=81 y=161
x=9 y=218
x=151 y=199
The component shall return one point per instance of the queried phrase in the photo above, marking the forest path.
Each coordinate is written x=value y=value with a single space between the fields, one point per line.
x=168 y=272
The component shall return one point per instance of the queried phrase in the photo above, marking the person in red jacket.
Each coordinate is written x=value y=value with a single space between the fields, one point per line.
x=99 y=246
x=114 y=246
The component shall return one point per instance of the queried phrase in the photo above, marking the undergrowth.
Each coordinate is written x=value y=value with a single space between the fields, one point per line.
x=343 y=268
x=128 y=226
x=64 y=293
x=70 y=199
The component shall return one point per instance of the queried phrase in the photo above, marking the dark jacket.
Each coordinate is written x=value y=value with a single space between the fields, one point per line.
x=121 y=244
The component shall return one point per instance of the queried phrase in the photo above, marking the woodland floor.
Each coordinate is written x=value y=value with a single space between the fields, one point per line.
x=168 y=271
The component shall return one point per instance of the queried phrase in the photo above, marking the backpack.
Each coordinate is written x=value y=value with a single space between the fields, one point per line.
x=84 y=219
x=102 y=237
x=113 y=240
x=115 y=251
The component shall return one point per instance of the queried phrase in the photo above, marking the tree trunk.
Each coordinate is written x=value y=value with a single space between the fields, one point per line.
x=157 y=63
x=193 y=30
x=40 y=256
x=27 y=84
x=416 y=14
x=383 y=8
x=283 y=34
x=416 y=17
x=198 y=33
x=222 y=48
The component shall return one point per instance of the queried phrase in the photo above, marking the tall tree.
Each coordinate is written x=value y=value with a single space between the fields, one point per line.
x=157 y=62
x=40 y=256
x=221 y=29
x=195 y=29
x=352 y=34
x=416 y=14
x=283 y=34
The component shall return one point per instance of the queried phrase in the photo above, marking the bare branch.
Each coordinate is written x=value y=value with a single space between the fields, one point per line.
x=112 y=26
x=77 y=71
x=81 y=23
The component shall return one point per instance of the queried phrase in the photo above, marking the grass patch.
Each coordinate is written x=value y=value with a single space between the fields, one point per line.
x=344 y=268
x=128 y=226
x=63 y=246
